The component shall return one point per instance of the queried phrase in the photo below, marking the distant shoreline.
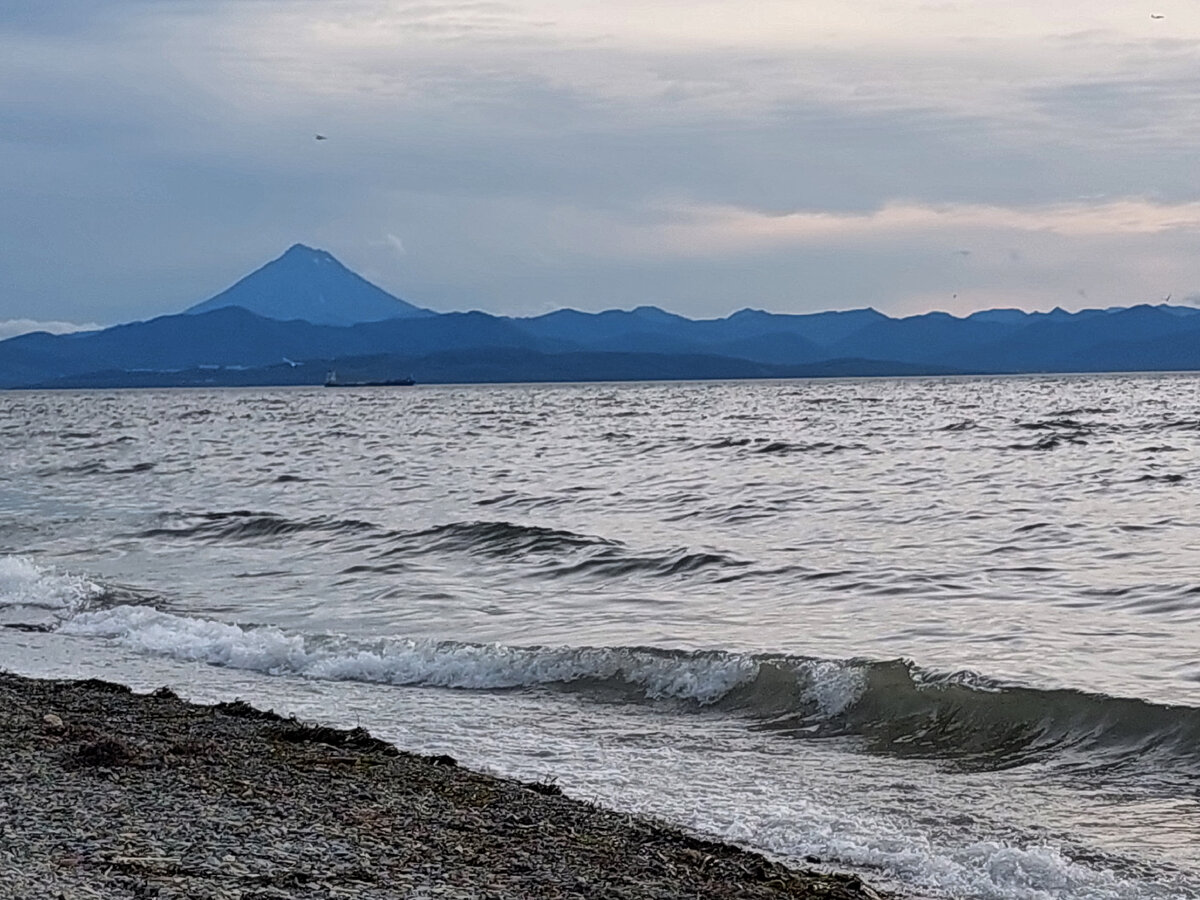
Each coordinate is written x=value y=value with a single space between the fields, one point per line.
x=151 y=384
x=126 y=794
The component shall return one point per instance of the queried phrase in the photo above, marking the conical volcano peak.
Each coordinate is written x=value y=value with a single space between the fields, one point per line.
x=305 y=252
x=310 y=284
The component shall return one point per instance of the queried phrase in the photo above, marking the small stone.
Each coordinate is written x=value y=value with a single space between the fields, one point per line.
x=53 y=722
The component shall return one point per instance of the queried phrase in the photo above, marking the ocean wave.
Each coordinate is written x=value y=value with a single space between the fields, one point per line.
x=785 y=448
x=23 y=583
x=782 y=448
x=644 y=673
x=891 y=707
x=99 y=468
x=556 y=553
x=1061 y=423
x=246 y=525
x=550 y=552
x=496 y=538
x=616 y=563
x=1049 y=442
x=978 y=723
x=1083 y=411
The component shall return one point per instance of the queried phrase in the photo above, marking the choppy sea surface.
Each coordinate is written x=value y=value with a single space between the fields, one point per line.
x=944 y=633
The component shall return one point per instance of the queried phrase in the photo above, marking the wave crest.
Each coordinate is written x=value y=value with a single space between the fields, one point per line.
x=244 y=524
x=23 y=583
x=893 y=707
x=498 y=539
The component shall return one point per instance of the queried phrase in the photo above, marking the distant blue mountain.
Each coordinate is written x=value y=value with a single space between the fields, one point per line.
x=610 y=325
x=237 y=338
x=1091 y=340
x=305 y=312
x=748 y=334
x=824 y=328
x=311 y=285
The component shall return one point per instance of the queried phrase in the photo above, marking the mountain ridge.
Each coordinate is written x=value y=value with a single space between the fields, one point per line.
x=229 y=339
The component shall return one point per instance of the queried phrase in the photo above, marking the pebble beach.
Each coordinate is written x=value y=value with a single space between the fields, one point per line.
x=108 y=793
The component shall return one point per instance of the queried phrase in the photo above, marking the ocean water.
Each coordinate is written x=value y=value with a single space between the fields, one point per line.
x=941 y=632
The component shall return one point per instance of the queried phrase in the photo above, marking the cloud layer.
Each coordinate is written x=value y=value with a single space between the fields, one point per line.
x=520 y=156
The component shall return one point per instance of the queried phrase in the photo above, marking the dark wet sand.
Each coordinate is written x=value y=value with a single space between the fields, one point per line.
x=106 y=793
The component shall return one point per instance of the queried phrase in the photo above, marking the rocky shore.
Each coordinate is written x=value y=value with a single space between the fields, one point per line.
x=106 y=793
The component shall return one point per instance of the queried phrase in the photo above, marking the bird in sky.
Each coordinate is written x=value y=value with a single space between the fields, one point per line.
x=321 y=137
x=1156 y=16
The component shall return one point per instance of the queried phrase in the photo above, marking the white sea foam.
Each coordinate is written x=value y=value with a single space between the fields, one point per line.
x=833 y=685
x=701 y=678
x=992 y=870
x=844 y=809
x=24 y=583
x=982 y=869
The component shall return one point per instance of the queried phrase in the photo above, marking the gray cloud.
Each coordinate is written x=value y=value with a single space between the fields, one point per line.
x=151 y=153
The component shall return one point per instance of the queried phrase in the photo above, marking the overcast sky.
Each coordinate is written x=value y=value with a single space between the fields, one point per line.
x=522 y=156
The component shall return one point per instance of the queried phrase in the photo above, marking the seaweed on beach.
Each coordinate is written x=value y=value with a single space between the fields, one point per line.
x=106 y=752
x=243 y=710
x=296 y=732
x=547 y=787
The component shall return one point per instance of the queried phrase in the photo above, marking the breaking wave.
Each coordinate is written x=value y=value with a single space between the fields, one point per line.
x=891 y=707
x=25 y=584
